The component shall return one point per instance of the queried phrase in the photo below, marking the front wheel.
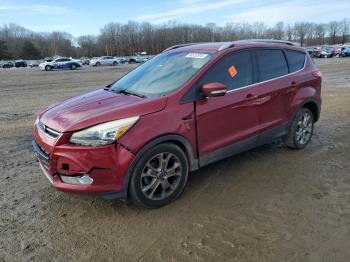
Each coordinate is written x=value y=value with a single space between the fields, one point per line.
x=159 y=176
x=115 y=63
x=48 y=68
x=300 y=130
x=73 y=67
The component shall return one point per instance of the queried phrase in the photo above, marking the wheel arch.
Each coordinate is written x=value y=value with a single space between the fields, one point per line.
x=312 y=104
x=313 y=107
x=178 y=140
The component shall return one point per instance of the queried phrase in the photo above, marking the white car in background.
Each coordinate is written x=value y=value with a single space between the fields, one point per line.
x=60 y=63
x=104 y=61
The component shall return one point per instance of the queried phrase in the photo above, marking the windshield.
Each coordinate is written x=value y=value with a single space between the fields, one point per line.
x=162 y=74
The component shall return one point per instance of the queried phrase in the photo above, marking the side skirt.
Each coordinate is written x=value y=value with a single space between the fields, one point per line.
x=244 y=145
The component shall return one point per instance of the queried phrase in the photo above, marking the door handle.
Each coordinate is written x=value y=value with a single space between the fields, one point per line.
x=251 y=96
x=292 y=87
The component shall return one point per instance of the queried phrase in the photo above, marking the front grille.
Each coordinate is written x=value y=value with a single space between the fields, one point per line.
x=49 y=131
x=41 y=154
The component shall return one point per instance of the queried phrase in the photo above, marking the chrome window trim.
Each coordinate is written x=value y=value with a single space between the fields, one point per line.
x=262 y=82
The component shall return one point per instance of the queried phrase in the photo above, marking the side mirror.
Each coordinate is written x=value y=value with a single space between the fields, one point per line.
x=213 y=89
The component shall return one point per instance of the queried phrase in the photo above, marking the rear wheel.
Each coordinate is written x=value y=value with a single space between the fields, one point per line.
x=115 y=63
x=48 y=68
x=73 y=67
x=98 y=64
x=159 y=176
x=300 y=130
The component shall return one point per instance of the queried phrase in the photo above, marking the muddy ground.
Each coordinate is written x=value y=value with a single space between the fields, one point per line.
x=268 y=204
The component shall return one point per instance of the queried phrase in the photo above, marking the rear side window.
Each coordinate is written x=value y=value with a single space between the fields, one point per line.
x=234 y=70
x=271 y=64
x=296 y=60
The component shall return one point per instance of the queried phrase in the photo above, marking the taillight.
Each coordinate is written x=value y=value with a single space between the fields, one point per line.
x=316 y=74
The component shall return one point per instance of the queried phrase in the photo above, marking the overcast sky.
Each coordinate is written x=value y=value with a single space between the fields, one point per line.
x=87 y=17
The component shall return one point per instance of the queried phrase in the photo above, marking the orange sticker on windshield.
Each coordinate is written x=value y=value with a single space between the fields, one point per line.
x=232 y=71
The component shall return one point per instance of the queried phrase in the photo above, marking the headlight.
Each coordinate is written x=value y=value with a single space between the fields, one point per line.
x=105 y=133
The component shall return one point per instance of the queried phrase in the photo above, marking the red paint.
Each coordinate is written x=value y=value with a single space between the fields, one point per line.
x=213 y=122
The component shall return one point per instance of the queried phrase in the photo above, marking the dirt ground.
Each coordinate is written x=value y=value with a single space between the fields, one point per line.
x=268 y=204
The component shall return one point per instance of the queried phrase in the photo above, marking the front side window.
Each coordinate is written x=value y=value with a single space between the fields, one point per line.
x=234 y=70
x=162 y=74
x=271 y=64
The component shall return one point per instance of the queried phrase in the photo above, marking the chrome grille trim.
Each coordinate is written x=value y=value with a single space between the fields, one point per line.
x=47 y=130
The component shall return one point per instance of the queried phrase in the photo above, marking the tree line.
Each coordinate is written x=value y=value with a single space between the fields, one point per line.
x=133 y=37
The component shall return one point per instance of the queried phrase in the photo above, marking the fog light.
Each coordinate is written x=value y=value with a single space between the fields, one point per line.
x=78 y=180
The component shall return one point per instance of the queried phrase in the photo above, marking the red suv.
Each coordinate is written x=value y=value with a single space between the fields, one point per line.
x=188 y=107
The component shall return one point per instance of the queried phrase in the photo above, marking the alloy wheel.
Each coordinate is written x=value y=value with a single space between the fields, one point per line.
x=304 y=128
x=161 y=176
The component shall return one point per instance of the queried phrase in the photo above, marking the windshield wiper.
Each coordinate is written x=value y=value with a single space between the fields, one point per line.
x=129 y=93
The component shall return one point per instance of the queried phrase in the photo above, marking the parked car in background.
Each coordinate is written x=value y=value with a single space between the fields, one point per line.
x=121 y=60
x=60 y=63
x=137 y=59
x=188 y=107
x=345 y=52
x=326 y=52
x=104 y=61
x=21 y=63
x=35 y=63
x=85 y=60
x=313 y=51
x=7 y=64
x=336 y=51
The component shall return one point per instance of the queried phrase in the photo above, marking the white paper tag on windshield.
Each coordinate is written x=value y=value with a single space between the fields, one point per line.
x=196 y=55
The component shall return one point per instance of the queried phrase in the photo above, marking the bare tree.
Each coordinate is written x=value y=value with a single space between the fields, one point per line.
x=278 y=31
x=333 y=29
x=344 y=28
x=320 y=33
x=132 y=38
x=301 y=30
x=88 y=45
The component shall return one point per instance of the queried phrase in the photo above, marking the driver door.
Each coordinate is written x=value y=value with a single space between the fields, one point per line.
x=227 y=123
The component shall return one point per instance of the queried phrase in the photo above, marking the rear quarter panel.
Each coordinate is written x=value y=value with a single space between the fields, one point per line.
x=309 y=88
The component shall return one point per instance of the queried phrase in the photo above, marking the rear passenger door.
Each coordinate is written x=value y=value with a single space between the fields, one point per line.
x=274 y=87
x=65 y=63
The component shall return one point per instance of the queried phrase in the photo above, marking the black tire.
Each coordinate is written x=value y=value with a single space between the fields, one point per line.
x=115 y=63
x=98 y=64
x=48 y=68
x=73 y=67
x=299 y=133
x=156 y=196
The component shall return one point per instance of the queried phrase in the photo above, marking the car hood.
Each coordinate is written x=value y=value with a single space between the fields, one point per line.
x=97 y=107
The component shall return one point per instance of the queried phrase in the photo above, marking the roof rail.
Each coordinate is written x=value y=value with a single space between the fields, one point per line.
x=178 y=46
x=272 y=41
x=226 y=45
